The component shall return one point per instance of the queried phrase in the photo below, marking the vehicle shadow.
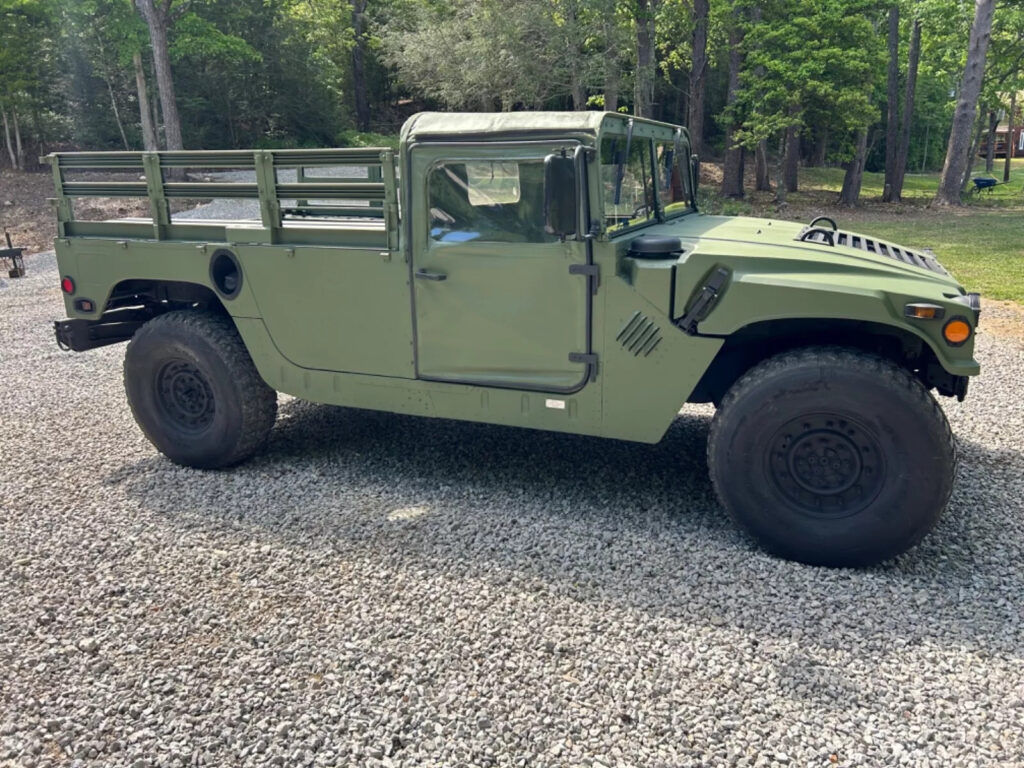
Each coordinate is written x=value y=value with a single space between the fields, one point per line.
x=602 y=520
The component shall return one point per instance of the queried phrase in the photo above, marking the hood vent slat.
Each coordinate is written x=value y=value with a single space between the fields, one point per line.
x=889 y=250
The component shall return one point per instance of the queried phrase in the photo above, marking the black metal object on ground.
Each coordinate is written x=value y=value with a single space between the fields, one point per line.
x=14 y=255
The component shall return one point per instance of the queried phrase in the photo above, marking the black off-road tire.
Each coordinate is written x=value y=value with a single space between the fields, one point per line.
x=832 y=456
x=195 y=392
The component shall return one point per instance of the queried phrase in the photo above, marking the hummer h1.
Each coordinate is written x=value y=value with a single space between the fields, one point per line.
x=543 y=270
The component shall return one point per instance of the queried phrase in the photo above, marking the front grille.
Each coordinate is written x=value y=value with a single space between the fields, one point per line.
x=850 y=240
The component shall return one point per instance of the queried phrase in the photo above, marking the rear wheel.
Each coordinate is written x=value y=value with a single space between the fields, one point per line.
x=832 y=457
x=195 y=392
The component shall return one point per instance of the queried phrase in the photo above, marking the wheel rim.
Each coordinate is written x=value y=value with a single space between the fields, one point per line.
x=826 y=465
x=184 y=396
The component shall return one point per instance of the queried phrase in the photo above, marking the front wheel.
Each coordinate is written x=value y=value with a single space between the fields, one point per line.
x=195 y=392
x=832 y=456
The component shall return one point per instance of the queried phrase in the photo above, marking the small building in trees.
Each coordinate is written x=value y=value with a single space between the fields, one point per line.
x=1016 y=144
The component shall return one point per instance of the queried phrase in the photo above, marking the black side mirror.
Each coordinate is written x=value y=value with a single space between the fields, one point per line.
x=694 y=174
x=561 y=209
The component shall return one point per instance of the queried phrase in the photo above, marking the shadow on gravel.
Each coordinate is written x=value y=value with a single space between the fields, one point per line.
x=601 y=520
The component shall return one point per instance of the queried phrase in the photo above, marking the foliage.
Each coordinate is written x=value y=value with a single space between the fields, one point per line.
x=281 y=72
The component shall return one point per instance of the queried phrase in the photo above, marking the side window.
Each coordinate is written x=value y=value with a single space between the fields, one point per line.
x=672 y=180
x=488 y=200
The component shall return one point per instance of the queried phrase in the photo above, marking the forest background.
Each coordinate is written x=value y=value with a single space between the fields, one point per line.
x=764 y=87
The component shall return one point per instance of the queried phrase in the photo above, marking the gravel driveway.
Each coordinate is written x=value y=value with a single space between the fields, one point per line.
x=378 y=590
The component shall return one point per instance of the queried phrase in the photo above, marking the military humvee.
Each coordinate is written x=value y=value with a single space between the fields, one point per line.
x=544 y=270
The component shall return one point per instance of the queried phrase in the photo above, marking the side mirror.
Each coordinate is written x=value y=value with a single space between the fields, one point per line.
x=694 y=174
x=561 y=208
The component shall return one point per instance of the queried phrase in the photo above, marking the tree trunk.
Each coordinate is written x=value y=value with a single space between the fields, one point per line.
x=7 y=136
x=913 y=60
x=154 y=101
x=732 y=173
x=972 y=156
x=1011 y=145
x=966 y=106
x=358 y=67
x=611 y=86
x=19 y=151
x=117 y=113
x=698 y=74
x=791 y=167
x=579 y=95
x=156 y=13
x=892 y=123
x=762 y=174
x=149 y=141
x=990 y=147
x=780 y=173
x=821 y=147
x=643 y=91
x=850 y=194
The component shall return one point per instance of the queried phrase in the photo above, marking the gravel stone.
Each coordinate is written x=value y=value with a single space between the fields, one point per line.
x=554 y=600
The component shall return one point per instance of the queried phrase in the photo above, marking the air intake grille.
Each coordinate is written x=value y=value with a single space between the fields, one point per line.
x=639 y=335
x=850 y=240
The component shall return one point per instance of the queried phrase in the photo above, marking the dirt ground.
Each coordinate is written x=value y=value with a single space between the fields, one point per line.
x=28 y=216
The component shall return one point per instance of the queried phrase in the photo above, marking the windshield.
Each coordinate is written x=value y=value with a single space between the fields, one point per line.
x=643 y=181
x=627 y=175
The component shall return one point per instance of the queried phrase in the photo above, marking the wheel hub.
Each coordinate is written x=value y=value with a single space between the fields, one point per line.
x=184 y=395
x=826 y=464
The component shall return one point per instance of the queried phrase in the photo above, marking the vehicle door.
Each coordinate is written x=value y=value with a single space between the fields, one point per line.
x=494 y=300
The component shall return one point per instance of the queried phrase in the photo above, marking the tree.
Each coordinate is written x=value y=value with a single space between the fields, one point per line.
x=854 y=177
x=892 y=118
x=358 y=66
x=643 y=89
x=958 y=147
x=698 y=74
x=807 y=62
x=732 y=171
x=157 y=15
x=1011 y=144
x=895 y=188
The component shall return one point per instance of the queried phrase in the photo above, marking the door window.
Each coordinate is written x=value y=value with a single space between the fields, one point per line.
x=487 y=200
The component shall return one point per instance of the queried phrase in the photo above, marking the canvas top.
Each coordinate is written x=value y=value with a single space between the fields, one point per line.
x=449 y=125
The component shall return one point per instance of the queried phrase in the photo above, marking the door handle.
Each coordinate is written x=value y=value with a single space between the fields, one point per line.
x=422 y=274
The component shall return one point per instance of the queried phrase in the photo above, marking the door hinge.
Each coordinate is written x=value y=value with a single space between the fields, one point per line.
x=587 y=358
x=589 y=270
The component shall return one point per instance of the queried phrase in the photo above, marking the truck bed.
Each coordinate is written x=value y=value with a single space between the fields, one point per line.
x=295 y=205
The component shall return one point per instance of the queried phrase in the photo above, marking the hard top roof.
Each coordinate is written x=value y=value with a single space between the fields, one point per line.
x=453 y=125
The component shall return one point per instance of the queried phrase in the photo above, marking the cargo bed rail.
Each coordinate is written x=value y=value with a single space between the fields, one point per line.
x=163 y=176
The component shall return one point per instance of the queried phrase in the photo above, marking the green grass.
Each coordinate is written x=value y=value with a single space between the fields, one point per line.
x=981 y=242
x=921 y=187
x=985 y=252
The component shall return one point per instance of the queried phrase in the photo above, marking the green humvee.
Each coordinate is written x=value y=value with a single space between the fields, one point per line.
x=545 y=270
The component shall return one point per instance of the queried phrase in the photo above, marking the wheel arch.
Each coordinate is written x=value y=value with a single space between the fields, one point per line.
x=162 y=296
x=756 y=342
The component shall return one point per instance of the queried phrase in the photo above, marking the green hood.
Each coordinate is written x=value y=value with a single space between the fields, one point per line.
x=775 y=239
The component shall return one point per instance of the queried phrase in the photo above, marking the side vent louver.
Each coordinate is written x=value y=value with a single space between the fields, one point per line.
x=640 y=335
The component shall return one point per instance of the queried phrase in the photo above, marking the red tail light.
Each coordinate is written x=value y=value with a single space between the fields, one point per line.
x=67 y=285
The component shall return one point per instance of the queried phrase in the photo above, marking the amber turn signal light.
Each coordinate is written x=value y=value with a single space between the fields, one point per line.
x=924 y=311
x=956 y=331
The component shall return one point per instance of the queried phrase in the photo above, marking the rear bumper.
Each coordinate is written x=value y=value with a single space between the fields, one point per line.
x=112 y=328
